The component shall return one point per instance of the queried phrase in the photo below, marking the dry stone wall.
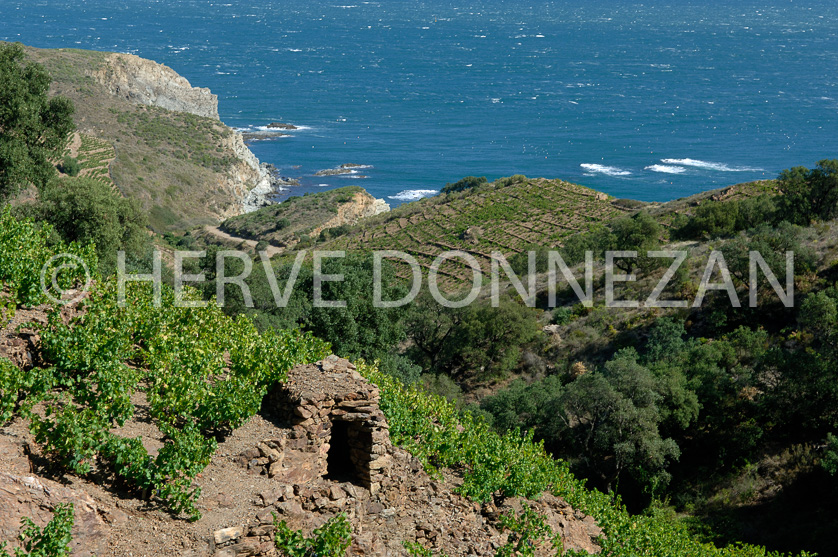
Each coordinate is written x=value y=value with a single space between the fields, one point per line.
x=336 y=428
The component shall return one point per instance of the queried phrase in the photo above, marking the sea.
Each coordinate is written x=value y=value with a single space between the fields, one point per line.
x=651 y=100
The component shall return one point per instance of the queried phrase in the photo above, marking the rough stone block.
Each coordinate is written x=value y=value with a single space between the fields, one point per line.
x=227 y=534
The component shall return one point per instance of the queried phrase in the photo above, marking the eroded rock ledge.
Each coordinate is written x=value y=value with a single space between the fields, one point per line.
x=146 y=82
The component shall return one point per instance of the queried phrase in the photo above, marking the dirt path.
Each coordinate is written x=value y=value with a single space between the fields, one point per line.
x=75 y=144
x=218 y=233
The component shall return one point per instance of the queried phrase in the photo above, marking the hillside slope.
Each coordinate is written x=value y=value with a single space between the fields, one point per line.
x=511 y=215
x=298 y=218
x=171 y=152
x=506 y=217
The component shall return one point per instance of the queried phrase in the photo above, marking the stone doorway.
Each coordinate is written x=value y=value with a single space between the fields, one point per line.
x=349 y=454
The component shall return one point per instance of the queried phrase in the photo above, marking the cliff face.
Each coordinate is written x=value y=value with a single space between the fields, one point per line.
x=245 y=184
x=249 y=177
x=142 y=81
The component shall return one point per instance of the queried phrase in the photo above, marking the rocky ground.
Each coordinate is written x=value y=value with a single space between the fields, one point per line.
x=240 y=495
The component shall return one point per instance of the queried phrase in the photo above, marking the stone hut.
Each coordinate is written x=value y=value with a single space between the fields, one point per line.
x=335 y=429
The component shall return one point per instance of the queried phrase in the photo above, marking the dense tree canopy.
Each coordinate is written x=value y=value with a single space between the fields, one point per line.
x=88 y=210
x=810 y=194
x=33 y=127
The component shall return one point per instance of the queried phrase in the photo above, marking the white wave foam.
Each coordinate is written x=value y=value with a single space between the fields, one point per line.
x=666 y=169
x=413 y=195
x=705 y=165
x=607 y=170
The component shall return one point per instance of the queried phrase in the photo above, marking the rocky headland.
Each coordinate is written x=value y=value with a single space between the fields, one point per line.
x=145 y=82
x=142 y=81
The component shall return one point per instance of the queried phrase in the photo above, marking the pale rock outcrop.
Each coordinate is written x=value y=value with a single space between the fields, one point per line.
x=146 y=82
x=363 y=205
x=252 y=174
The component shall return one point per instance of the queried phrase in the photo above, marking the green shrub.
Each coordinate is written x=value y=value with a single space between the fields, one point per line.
x=830 y=460
x=14 y=384
x=401 y=368
x=51 y=541
x=562 y=315
x=526 y=531
x=26 y=251
x=86 y=210
x=713 y=219
x=330 y=540
x=510 y=180
x=809 y=194
x=70 y=166
x=469 y=182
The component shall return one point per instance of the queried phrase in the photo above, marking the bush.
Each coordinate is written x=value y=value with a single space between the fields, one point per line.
x=713 y=219
x=809 y=194
x=86 y=210
x=330 y=540
x=510 y=180
x=26 y=250
x=469 y=182
x=51 y=541
x=640 y=233
x=70 y=166
x=400 y=367
x=562 y=315
x=442 y=385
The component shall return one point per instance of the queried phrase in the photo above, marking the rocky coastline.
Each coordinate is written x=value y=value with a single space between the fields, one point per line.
x=269 y=184
x=250 y=183
x=347 y=168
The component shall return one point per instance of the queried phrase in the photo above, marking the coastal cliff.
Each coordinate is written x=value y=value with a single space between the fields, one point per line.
x=172 y=153
x=146 y=82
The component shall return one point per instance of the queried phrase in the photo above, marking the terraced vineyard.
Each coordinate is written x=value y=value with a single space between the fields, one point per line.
x=94 y=155
x=506 y=218
x=286 y=223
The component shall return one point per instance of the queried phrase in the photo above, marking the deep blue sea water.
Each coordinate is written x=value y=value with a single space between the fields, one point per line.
x=646 y=100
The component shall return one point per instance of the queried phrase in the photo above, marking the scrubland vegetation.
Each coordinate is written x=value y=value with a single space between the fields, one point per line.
x=674 y=428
